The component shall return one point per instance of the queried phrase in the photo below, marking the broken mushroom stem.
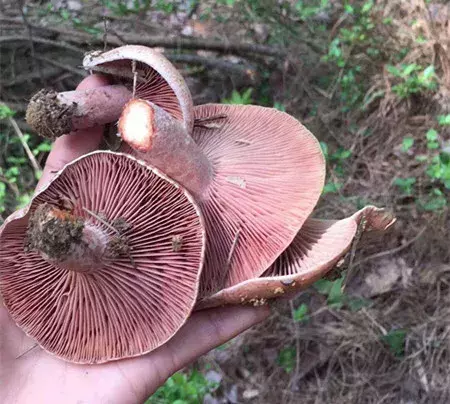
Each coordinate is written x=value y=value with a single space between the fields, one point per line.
x=156 y=136
x=53 y=114
x=71 y=242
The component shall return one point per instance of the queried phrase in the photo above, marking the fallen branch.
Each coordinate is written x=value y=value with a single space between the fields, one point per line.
x=63 y=66
x=192 y=43
x=42 y=41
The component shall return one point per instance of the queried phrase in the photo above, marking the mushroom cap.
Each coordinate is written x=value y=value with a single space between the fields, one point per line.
x=163 y=84
x=317 y=249
x=126 y=306
x=269 y=171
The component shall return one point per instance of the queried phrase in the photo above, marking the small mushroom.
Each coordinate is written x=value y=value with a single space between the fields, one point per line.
x=317 y=248
x=88 y=269
x=137 y=71
x=257 y=175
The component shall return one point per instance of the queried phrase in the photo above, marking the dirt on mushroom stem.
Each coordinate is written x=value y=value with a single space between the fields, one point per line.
x=54 y=114
x=72 y=242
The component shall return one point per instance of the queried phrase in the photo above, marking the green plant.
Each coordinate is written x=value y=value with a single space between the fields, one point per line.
x=395 y=341
x=286 y=359
x=244 y=98
x=336 y=298
x=351 y=39
x=17 y=177
x=412 y=79
x=406 y=185
x=407 y=143
x=182 y=388
x=300 y=314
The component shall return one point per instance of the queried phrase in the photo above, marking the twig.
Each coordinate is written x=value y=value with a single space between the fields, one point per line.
x=393 y=250
x=165 y=42
x=63 y=66
x=105 y=34
x=210 y=121
x=28 y=350
x=33 y=161
x=135 y=75
x=42 y=41
x=33 y=75
x=233 y=247
x=359 y=232
x=109 y=226
x=214 y=63
x=294 y=378
x=30 y=36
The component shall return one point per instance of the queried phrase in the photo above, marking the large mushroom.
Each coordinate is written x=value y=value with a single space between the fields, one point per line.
x=256 y=172
x=105 y=261
x=136 y=71
x=318 y=248
x=267 y=175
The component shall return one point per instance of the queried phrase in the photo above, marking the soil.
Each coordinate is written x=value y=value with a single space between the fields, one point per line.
x=52 y=232
x=48 y=116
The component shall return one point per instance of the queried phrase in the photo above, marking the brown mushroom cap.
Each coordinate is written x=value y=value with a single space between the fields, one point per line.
x=127 y=305
x=316 y=249
x=269 y=172
x=158 y=81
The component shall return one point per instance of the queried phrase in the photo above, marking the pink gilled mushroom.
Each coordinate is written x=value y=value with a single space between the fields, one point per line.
x=136 y=71
x=105 y=262
x=318 y=248
x=256 y=173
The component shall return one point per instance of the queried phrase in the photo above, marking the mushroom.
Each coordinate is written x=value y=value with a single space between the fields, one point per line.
x=137 y=71
x=256 y=173
x=317 y=249
x=88 y=268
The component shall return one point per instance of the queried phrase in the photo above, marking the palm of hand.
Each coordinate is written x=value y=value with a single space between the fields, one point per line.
x=38 y=377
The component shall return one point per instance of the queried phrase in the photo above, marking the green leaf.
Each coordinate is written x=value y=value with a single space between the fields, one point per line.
x=393 y=70
x=336 y=295
x=395 y=340
x=428 y=73
x=367 y=7
x=443 y=120
x=324 y=148
x=5 y=111
x=431 y=135
x=279 y=106
x=286 y=359
x=300 y=313
x=331 y=188
x=409 y=69
x=407 y=143
x=323 y=286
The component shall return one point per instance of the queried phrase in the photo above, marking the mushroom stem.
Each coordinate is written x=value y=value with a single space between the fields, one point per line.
x=69 y=241
x=156 y=137
x=54 y=114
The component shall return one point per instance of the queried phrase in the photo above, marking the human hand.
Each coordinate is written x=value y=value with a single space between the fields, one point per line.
x=38 y=377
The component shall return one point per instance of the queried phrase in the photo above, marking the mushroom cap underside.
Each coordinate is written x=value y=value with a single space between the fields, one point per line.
x=128 y=306
x=317 y=248
x=157 y=80
x=269 y=172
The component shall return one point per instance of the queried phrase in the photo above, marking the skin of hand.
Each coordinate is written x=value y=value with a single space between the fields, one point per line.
x=38 y=377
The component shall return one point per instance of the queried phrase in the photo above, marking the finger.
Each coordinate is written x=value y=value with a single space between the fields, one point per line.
x=204 y=331
x=69 y=147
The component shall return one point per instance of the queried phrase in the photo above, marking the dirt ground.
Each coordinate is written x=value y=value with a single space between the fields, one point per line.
x=386 y=339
